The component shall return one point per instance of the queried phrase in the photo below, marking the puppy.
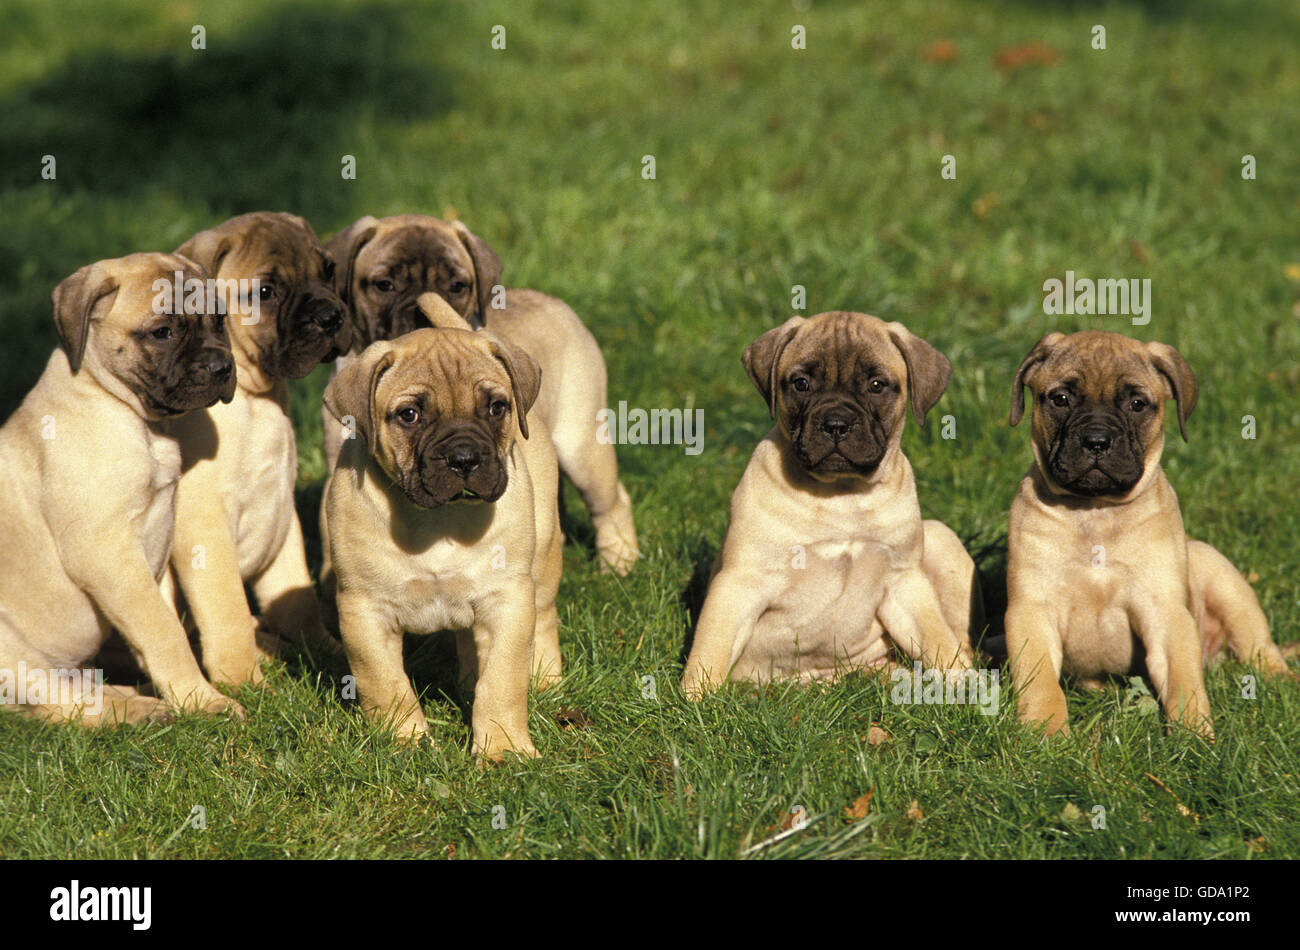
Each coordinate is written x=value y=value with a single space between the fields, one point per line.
x=1100 y=577
x=441 y=519
x=386 y=264
x=826 y=561
x=91 y=473
x=236 y=522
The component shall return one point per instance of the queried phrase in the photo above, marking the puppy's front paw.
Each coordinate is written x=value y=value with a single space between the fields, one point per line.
x=209 y=702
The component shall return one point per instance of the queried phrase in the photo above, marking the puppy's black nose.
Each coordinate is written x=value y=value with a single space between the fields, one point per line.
x=328 y=318
x=837 y=427
x=463 y=459
x=1096 y=440
x=221 y=367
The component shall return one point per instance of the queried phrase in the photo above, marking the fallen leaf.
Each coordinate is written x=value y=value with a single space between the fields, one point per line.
x=876 y=735
x=982 y=205
x=861 y=805
x=914 y=812
x=568 y=718
x=1292 y=272
x=1252 y=578
x=451 y=850
x=1071 y=812
x=1011 y=58
x=1258 y=845
x=1182 y=809
x=940 y=51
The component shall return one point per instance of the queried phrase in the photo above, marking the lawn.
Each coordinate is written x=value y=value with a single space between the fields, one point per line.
x=774 y=167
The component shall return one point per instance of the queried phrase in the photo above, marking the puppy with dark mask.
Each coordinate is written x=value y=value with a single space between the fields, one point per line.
x=236 y=520
x=1101 y=578
x=386 y=264
x=827 y=564
x=90 y=482
x=443 y=517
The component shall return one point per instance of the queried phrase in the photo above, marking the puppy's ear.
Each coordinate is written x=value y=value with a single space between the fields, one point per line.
x=525 y=377
x=208 y=249
x=1170 y=364
x=439 y=313
x=1042 y=349
x=762 y=356
x=351 y=394
x=487 y=269
x=928 y=370
x=344 y=247
x=78 y=300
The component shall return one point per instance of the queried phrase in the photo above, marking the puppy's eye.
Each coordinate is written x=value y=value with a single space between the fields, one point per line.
x=267 y=291
x=384 y=286
x=161 y=333
x=329 y=270
x=1059 y=400
x=408 y=415
x=876 y=386
x=1138 y=404
x=800 y=384
x=457 y=287
x=498 y=408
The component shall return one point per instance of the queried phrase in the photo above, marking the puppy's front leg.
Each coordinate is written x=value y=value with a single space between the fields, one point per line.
x=120 y=583
x=1034 y=650
x=1173 y=647
x=286 y=598
x=503 y=636
x=731 y=609
x=374 y=647
x=206 y=565
x=911 y=615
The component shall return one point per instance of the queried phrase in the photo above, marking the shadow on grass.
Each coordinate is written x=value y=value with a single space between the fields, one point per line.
x=260 y=120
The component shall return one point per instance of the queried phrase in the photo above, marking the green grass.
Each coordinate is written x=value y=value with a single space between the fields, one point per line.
x=775 y=168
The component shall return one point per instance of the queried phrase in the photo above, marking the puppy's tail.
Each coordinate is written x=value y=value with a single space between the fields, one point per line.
x=440 y=314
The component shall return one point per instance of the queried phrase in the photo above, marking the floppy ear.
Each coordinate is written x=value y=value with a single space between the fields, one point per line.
x=928 y=370
x=352 y=392
x=1039 y=353
x=1170 y=364
x=487 y=266
x=525 y=378
x=439 y=313
x=76 y=301
x=207 y=249
x=762 y=356
x=344 y=247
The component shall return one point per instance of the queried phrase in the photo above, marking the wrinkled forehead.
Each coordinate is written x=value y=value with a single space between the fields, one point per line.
x=276 y=243
x=843 y=347
x=1100 y=372
x=427 y=244
x=140 y=283
x=443 y=366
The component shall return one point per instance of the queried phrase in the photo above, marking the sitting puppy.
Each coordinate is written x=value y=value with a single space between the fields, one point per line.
x=235 y=516
x=826 y=560
x=441 y=519
x=90 y=478
x=1100 y=576
x=385 y=265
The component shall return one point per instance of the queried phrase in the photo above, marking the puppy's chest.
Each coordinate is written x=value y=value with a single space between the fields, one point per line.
x=260 y=478
x=157 y=521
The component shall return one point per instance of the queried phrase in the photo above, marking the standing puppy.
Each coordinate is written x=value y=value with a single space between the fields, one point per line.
x=1100 y=577
x=90 y=478
x=826 y=560
x=441 y=519
x=386 y=264
x=236 y=521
